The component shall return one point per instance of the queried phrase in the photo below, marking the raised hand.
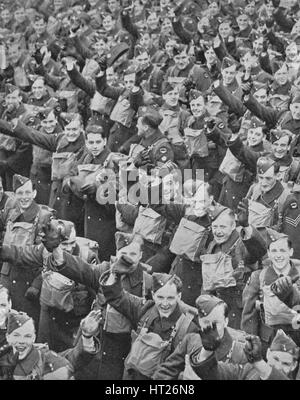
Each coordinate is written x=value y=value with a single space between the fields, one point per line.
x=91 y=323
x=209 y=335
x=243 y=212
x=253 y=349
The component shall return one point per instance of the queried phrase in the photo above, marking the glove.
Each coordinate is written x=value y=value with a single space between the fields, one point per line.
x=88 y=188
x=53 y=233
x=123 y=266
x=38 y=56
x=189 y=84
x=32 y=293
x=283 y=286
x=90 y=324
x=243 y=213
x=276 y=3
x=103 y=63
x=253 y=349
x=40 y=70
x=210 y=123
x=209 y=335
x=8 y=363
x=141 y=159
x=140 y=76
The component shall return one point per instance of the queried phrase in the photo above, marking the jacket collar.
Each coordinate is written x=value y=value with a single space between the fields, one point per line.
x=224 y=247
x=271 y=275
x=28 y=215
x=273 y=194
x=26 y=366
x=136 y=277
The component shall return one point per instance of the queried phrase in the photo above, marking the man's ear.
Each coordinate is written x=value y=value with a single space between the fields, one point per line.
x=34 y=193
x=226 y=322
x=291 y=252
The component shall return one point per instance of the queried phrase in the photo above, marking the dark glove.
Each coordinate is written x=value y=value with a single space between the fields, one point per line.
x=243 y=213
x=246 y=87
x=40 y=70
x=141 y=159
x=210 y=123
x=234 y=123
x=253 y=349
x=265 y=46
x=123 y=265
x=283 y=286
x=269 y=23
x=32 y=294
x=276 y=3
x=53 y=233
x=140 y=76
x=8 y=362
x=103 y=63
x=88 y=188
x=189 y=84
x=209 y=335
x=38 y=56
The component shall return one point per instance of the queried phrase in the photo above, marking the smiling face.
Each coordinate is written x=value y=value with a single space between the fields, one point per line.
x=100 y=47
x=255 y=136
x=73 y=130
x=113 y=5
x=171 y=98
x=213 y=9
x=198 y=205
x=169 y=47
x=20 y=15
x=152 y=21
x=291 y=52
x=22 y=339
x=40 y=26
x=210 y=56
x=49 y=123
x=5 y=306
x=197 y=106
x=295 y=110
x=267 y=180
x=108 y=23
x=145 y=40
x=95 y=143
x=166 y=299
x=13 y=100
x=166 y=26
x=224 y=30
x=243 y=22
x=280 y=254
x=182 y=60
x=5 y=16
x=38 y=89
x=282 y=361
x=281 y=147
x=129 y=81
x=222 y=227
x=281 y=76
x=228 y=75
x=143 y=60
x=25 y=195
x=250 y=8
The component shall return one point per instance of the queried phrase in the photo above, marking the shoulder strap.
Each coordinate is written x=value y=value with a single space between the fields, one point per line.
x=182 y=327
x=147 y=284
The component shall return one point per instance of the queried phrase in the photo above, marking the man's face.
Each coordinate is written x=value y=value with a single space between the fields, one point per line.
x=58 y=4
x=22 y=339
x=171 y=98
x=152 y=21
x=129 y=81
x=73 y=131
x=40 y=26
x=5 y=306
x=258 y=45
x=228 y=75
x=217 y=316
x=295 y=110
x=145 y=41
x=95 y=143
x=261 y=96
x=25 y=195
x=255 y=136
x=112 y=5
x=166 y=299
x=224 y=30
x=14 y=53
x=213 y=106
x=38 y=89
x=270 y=9
x=5 y=16
x=210 y=56
x=170 y=187
x=141 y=127
x=213 y=9
x=242 y=22
x=199 y=203
x=267 y=180
x=291 y=52
x=223 y=227
x=250 y=8
x=49 y=123
x=100 y=47
x=282 y=361
x=166 y=26
x=110 y=76
x=197 y=106
x=20 y=15
x=69 y=244
x=143 y=60
x=132 y=251
x=281 y=147
x=108 y=23
x=169 y=47
x=281 y=77
x=181 y=60
x=280 y=254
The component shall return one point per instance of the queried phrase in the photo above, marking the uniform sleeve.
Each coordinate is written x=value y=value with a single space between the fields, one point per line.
x=267 y=114
x=81 y=48
x=21 y=158
x=211 y=369
x=244 y=154
x=29 y=255
x=250 y=318
x=255 y=246
x=235 y=104
x=82 y=83
x=105 y=90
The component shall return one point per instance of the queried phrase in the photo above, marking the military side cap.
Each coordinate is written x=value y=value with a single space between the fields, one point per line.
x=96 y=129
x=279 y=66
x=18 y=181
x=215 y=211
x=68 y=226
x=228 y=63
x=284 y=343
x=151 y=117
x=194 y=94
x=263 y=164
x=276 y=134
x=116 y=52
x=139 y=50
x=257 y=85
x=292 y=46
x=69 y=117
x=179 y=48
x=9 y=88
x=206 y=303
x=54 y=362
x=272 y=236
x=296 y=98
x=190 y=25
x=159 y=280
x=16 y=320
x=167 y=87
x=256 y=123
x=46 y=113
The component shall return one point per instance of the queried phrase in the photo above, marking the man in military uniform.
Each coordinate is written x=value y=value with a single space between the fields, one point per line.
x=271 y=293
x=230 y=350
x=27 y=215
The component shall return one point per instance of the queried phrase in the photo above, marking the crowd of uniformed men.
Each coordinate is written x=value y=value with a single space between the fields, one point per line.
x=150 y=189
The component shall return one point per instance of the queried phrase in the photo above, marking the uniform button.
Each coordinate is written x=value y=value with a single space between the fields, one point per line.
x=99 y=219
x=233 y=197
x=53 y=318
x=27 y=283
x=189 y=287
x=57 y=198
x=89 y=217
x=14 y=282
x=39 y=181
x=233 y=314
x=67 y=323
x=104 y=353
